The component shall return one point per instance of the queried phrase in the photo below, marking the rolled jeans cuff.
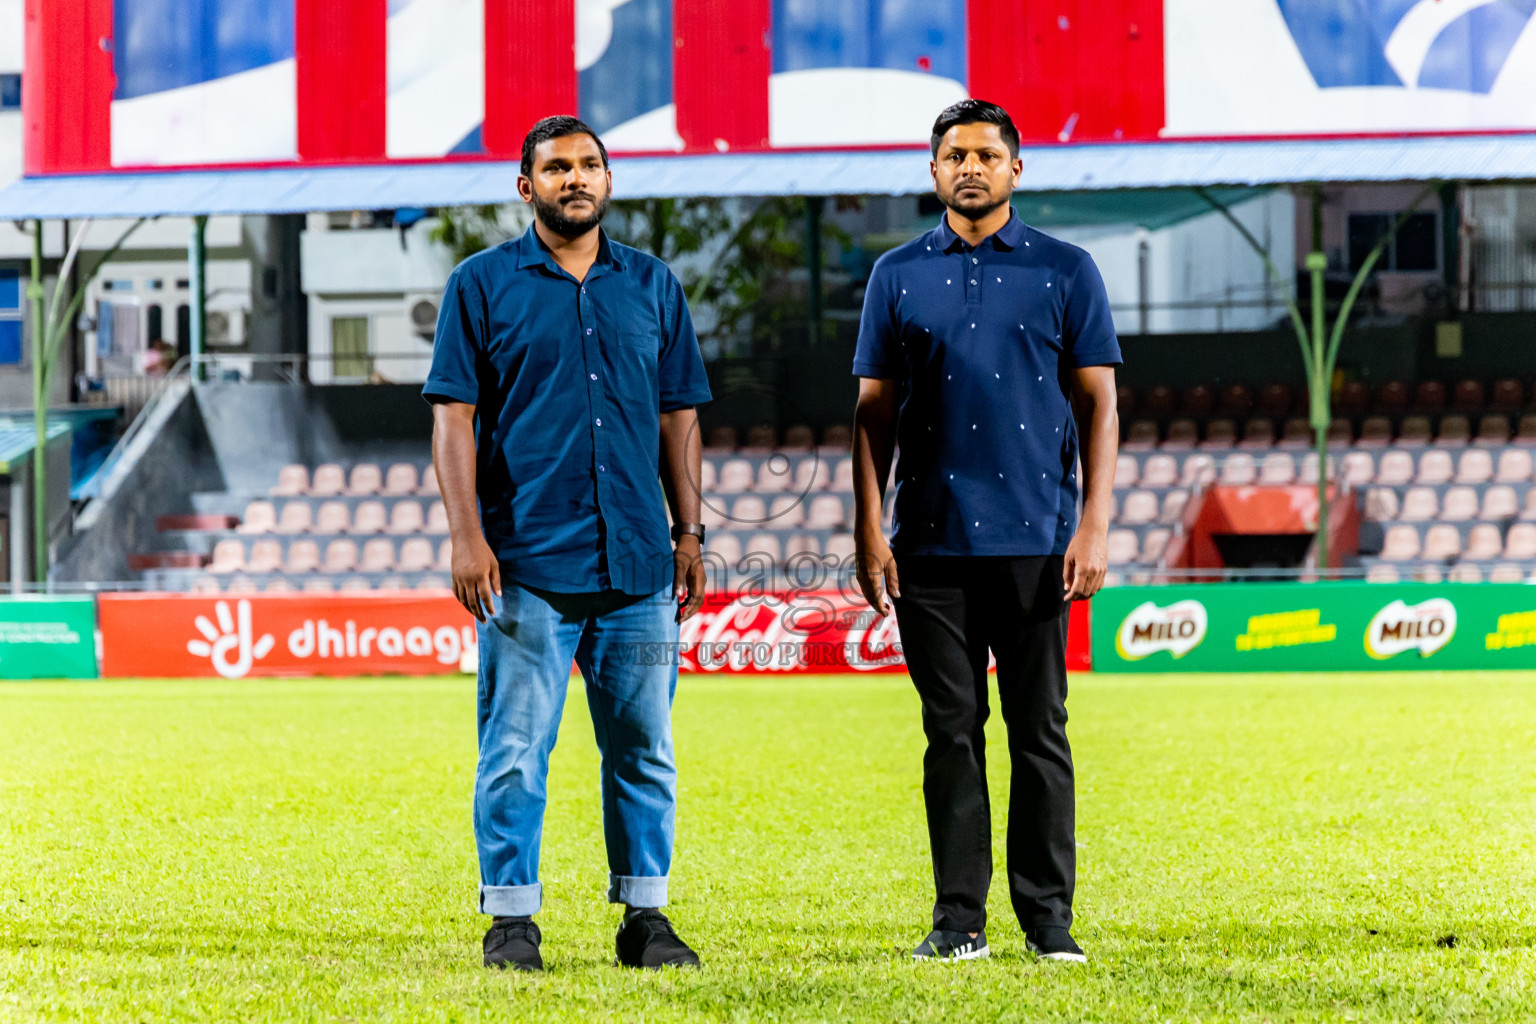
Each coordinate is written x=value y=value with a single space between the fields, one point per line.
x=648 y=893
x=511 y=900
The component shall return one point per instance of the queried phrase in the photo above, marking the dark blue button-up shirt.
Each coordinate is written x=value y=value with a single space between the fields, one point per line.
x=983 y=341
x=569 y=380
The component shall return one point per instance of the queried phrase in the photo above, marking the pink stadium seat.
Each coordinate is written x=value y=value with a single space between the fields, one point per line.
x=292 y=481
x=1219 y=435
x=1182 y=436
x=1359 y=468
x=400 y=480
x=1160 y=471
x=761 y=438
x=764 y=545
x=1483 y=543
x=707 y=478
x=712 y=513
x=1521 y=542
x=429 y=485
x=405 y=517
x=726 y=547
x=1297 y=434
x=241 y=585
x=1258 y=434
x=391 y=583
x=1474 y=467
x=1340 y=433
x=1139 y=509
x=445 y=555
x=1395 y=469
x=1141 y=437
x=751 y=511
x=1307 y=474
x=1468 y=396
x=296 y=518
x=842 y=476
x=1277 y=468
x=798 y=437
x=1197 y=471
x=279 y=586
x=352 y=584
x=228 y=556
x=1126 y=472
x=1428 y=574
x=735 y=477
x=1114 y=506
x=378 y=556
x=1414 y=432
x=319 y=585
x=333 y=517
x=801 y=546
x=329 y=481
x=1528 y=510
x=434 y=583
x=1238 y=470
x=1381 y=573
x=1375 y=432
x=1505 y=573
x=1508 y=396
x=1123 y=547
x=1174 y=504
x=367 y=478
x=266 y=556
x=1499 y=503
x=1455 y=432
x=303 y=556
x=1442 y=542
x=825 y=512
x=1153 y=545
x=369 y=517
x=260 y=517
x=837 y=438
x=1429 y=396
x=437 y=518
x=1420 y=505
x=1492 y=430
x=1464 y=572
x=1435 y=468
x=813 y=475
x=786 y=512
x=1514 y=466
x=340 y=556
x=840 y=546
x=1400 y=544
x=416 y=555
x=1381 y=504
x=775 y=474
x=1460 y=505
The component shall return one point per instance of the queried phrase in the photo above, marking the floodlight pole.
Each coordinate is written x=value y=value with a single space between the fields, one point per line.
x=36 y=293
x=197 y=256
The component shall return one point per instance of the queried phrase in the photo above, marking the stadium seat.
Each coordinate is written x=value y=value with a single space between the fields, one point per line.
x=721 y=439
x=333 y=517
x=1505 y=573
x=812 y=475
x=352 y=584
x=735 y=477
x=1429 y=397
x=1464 y=572
x=281 y=585
x=842 y=476
x=1219 y=435
x=1395 y=469
x=1499 y=503
x=1307 y=474
x=1197 y=401
x=1139 y=509
x=1353 y=399
x=1414 y=432
x=763 y=546
x=445 y=555
x=1442 y=542
x=1435 y=467
x=712 y=513
x=1359 y=468
x=405 y=517
x=1258 y=434
x=228 y=556
x=761 y=438
x=1297 y=434
x=1467 y=396
x=787 y=512
x=802 y=547
x=241 y=585
x=1400 y=543
x=378 y=556
x=1381 y=504
x=1174 y=503
x=775 y=474
x=1521 y=542
x=1141 y=437
x=1236 y=401
x=1126 y=472
x=726 y=547
x=1197 y=471
x=1528 y=510
x=429 y=487
x=840 y=547
x=296 y=517
x=1276 y=400
x=1455 y=431
x=1514 y=466
x=1508 y=396
x=391 y=583
x=838 y=437
x=340 y=556
x=1153 y=545
x=400 y=480
x=707 y=478
x=1182 y=436
x=750 y=510
x=1160 y=401
x=1392 y=398
x=369 y=517
x=1340 y=433
x=260 y=517
x=367 y=478
x=1492 y=430
x=265 y=556
x=1277 y=468
x=1123 y=547
x=1382 y=573
x=1375 y=432
x=1483 y=543
x=437 y=518
x=1474 y=467
x=292 y=481
x=303 y=556
x=434 y=583
x=329 y=481
x=319 y=585
x=1459 y=505
x=1238 y=470
x=1420 y=505
x=825 y=513
x=1160 y=471
x=798 y=437
x=416 y=555
x=1428 y=573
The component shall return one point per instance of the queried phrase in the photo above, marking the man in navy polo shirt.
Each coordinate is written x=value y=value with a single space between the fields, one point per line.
x=985 y=346
x=564 y=377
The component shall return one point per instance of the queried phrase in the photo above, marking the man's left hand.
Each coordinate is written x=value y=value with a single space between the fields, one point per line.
x=1086 y=562
x=688 y=576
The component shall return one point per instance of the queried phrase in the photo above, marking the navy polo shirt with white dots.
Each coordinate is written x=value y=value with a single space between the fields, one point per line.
x=983 y=341
x=569 y=380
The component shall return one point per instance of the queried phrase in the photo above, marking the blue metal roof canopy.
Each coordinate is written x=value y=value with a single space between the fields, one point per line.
x=903 y=171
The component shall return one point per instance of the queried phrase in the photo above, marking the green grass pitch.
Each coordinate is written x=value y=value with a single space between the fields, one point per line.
x=1256 y=848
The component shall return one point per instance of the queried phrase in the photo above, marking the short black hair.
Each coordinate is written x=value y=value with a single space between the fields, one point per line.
x=976 y=112
x=557 y=127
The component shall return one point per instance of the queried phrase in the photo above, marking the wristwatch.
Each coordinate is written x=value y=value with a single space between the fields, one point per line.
x=695 y=529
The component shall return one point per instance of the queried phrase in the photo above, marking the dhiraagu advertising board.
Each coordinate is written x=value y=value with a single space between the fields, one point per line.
x=1285 y=627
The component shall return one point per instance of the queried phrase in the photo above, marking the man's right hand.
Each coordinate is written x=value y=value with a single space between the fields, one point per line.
x=476 y=576
x=876 y=568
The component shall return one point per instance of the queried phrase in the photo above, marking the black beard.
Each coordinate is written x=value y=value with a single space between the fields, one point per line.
x=973 y=210
x=552 y=215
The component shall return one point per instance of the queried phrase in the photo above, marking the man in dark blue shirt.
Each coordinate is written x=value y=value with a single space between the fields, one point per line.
x=983 y=349
x=564 y=377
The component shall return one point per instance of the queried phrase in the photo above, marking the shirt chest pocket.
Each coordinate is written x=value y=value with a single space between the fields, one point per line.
x=643 y=341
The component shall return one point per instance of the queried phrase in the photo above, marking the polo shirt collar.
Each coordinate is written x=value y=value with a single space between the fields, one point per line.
x=1009 y=236
x=532 y=252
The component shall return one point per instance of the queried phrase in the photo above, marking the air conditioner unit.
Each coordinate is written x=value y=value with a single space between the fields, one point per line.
x=424 y=317
x=218 y=328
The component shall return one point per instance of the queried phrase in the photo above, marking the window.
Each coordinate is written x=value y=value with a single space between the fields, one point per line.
x=349 y=348
x=1416 y=247
x=10 y=92
x=10 y=317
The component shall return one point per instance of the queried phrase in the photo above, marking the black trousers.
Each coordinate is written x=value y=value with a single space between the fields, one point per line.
x=951 y=612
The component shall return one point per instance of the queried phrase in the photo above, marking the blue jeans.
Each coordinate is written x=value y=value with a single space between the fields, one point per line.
x=626 y=649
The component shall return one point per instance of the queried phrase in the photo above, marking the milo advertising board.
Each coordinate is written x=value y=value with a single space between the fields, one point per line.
x=1282 y=627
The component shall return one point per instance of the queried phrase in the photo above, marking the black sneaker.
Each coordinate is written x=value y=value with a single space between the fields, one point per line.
x=1054 y=943
x=646 y=939
x=514 y=942
x=952 y=946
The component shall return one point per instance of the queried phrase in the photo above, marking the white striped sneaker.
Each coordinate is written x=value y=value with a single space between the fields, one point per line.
x=1055 y=944
x=952 y=946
